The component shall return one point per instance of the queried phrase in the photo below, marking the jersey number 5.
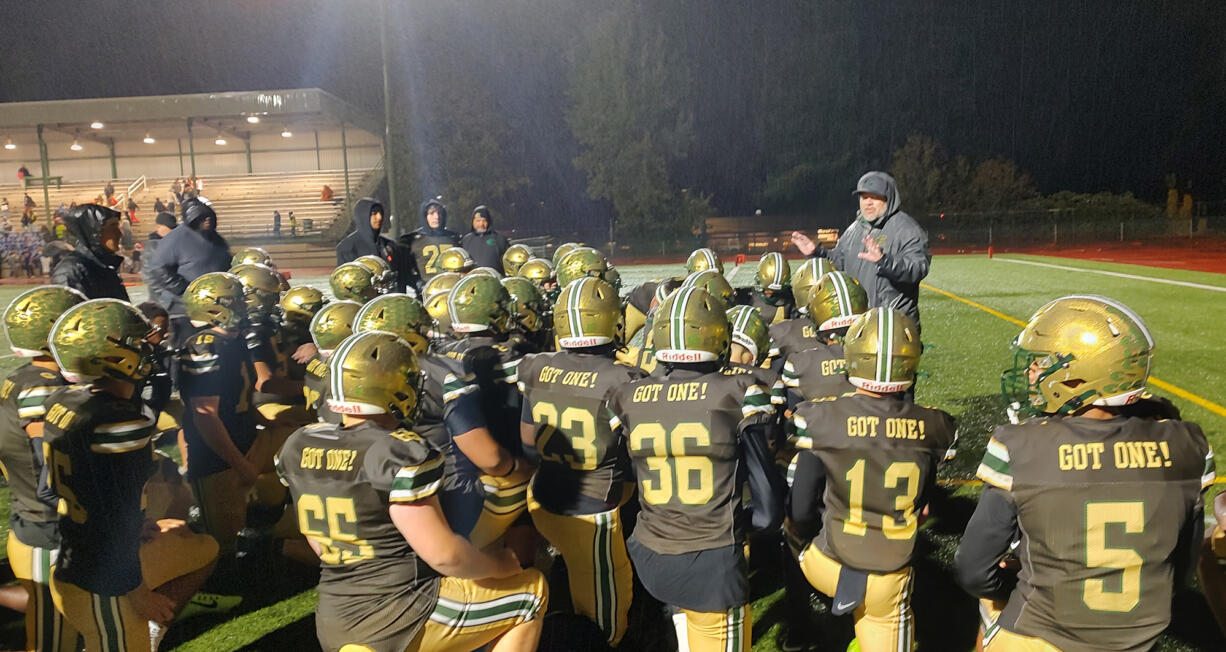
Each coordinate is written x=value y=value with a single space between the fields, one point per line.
x=1094 y=592
x=328 y=521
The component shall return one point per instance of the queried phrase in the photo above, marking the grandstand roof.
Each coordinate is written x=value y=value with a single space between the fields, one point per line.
x=125 y=118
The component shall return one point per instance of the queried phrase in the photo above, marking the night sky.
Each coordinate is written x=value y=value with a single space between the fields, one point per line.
x=1086 y=96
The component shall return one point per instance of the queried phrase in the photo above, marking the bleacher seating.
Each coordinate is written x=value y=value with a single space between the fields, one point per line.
x=244 y=202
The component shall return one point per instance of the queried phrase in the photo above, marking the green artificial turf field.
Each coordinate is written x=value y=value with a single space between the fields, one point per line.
x=965 y=350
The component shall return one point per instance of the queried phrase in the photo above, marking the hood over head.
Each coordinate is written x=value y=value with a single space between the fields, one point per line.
x=195 y=210
x=85 y=222
x=484 y=211
x=442 y=214
x=880 y=183
x=361 y=216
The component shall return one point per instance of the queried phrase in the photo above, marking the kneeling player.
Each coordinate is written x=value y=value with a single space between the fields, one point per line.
x=859 y=491
x=1107 y=506
x=366 y=498
x=97 y=442
x=575 y=497
x=696 y=436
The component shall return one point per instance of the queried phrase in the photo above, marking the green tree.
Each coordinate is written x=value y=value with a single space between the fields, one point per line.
x=630 y=113
x=921 y=168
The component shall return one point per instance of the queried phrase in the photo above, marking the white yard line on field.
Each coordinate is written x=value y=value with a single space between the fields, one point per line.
x=1136 y=277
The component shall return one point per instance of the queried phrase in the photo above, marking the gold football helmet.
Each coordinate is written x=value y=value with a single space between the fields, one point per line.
x=537 y=270
x=586 y=314
x=375 y=372
x=353 y=282
x=702 y=259
x=442 y=282
x=302 y=302
x=383 y=277
x=750 y=331
x=436 y=307
x=251 y=256
x=515 y=256
x=581 y=262
x=713 y=282
x=882 y=349
x=528 y=302
x=261 y=289
x=29 y=317
x=837 y=301
x=102 y=338
x=562 y=250
x=806 y=278
x=400 y=314
x=333 y=323
x=691 y=326
x=773 y=273
x=215 y=299
x=455 y=259
x=478 y=304
x=1078 y=351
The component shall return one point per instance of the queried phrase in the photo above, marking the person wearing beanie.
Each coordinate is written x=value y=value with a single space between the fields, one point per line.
x=483 y=243
x=183 y=255
x=163 y=224
x=92 y=268
x=426 y=243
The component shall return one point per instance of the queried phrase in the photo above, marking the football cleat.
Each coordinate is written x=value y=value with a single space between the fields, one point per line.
x=353 y=282
x=703 y=259
x=102 y=338
x=882 y=349
x=375 y=373
x=215 y=299
x=586 y=314
x=773 y=273
x=1077 y=351
x=837 y=301
x=29 y=317
x=691 y=326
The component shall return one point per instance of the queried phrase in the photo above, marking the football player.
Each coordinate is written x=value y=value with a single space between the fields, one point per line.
x=479 y=309
x=1103 y=510
x=120 y=578
x=394 y=576
x=820 y=372
x=217 y=383
x=530 y=312
x=581 y=484
x=696 y=437
x=333 y=323
x=384 y=277
x=715 y=284
x=581 y=262
x=798 y=333
x=541 y=272
x=456 y=260
x=561 y=251
x=861 y=488
x=639 y=314
x=514 y=257
x=33 y=539
x=298 y=307
x=450 y=417
x=427 y=243
x=771 y=294
x=251 y=256
x=701 y=259
x=353 y=282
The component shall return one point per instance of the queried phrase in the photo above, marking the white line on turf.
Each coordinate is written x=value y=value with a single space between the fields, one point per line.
x=1136 y=277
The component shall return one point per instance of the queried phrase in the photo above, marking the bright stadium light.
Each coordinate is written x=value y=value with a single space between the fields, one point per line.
x=96 y=124
x=286 y=133
x=220 y=140
x=8 y=144
x=149 y=139
x=253 y=119
x=76 y=146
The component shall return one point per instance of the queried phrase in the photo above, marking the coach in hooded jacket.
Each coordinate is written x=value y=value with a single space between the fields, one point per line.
x=189 y=251
x=884 y=248
x=93 y=266
x=483 y=243
x=426 y=243
x=366 y=239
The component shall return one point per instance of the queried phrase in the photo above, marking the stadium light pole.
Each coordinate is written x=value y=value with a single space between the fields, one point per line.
x=389 y=157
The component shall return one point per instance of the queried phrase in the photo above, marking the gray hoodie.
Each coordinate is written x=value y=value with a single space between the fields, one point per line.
x=894 y=280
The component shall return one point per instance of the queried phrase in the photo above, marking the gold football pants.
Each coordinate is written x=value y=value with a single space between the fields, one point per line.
x=884 y=620
x=46 y=628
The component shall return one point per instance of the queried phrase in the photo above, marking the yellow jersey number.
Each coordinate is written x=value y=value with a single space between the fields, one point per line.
x=576 y=423
x=331 y=522
x=431 y=253
x=1094 y=592
x=679 y=474
x=61 y=468
x=907 y=473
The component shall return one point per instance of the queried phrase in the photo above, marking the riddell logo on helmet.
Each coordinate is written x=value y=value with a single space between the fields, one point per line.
x=581 y=342
x=884 y=388
x=678 y=355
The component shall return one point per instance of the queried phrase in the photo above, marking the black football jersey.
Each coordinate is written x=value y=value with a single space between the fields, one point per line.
x=493 y=364
x=816 y=373
x=566 y=397
x=450 y=406
x=216 y=364
x=373 y=589
x=316 y=389
x=792 y=335
x=683 y=433
x=22 y=402
x=98 y=450
x=1100 y=508
x=426 y=248
x=265 y=344
x=881 y=456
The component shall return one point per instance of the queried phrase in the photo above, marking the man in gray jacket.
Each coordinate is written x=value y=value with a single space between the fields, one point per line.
x=885 y=249
x=193 y=249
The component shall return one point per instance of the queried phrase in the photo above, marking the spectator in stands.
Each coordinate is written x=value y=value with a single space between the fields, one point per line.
x=164 y=223
x=276 y=224
x=109 y=191
x=61 y=231
x=170 y=208
x=158 y=206
x=128 y=240
x=182 y=256
x=483 y=243
x=365 y=239
x=93 y=266
x=326 y=194
x=4 y=209
x=293 y=225
x=23 y=176
x=132 y=208
x=176 y=190
x=27 y=214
